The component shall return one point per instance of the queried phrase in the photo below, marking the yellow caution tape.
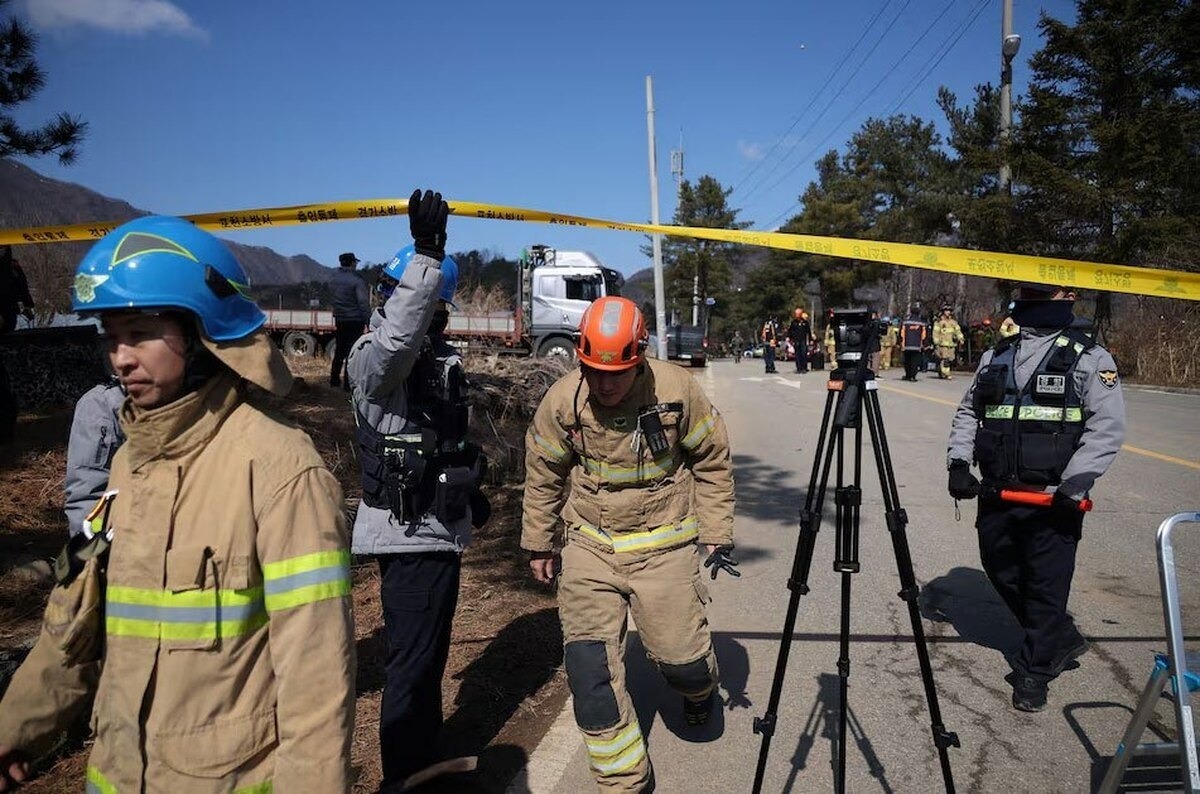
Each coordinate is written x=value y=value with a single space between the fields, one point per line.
x=991 y=264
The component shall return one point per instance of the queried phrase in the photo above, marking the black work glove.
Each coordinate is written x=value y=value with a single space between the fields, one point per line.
x=427 y=219
x=721 y=560
x=963 y=484
x=1061 y=503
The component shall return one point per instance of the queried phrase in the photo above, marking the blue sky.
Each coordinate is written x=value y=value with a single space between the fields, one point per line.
x=225 y=104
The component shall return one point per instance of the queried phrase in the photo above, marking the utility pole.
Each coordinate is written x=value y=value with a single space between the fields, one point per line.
x=1010 y=43
x=660 y=303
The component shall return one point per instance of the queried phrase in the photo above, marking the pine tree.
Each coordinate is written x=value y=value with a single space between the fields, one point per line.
x=20 y=80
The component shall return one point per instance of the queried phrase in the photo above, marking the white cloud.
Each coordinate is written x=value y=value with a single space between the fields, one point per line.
x=750 y=151
x=131 y=17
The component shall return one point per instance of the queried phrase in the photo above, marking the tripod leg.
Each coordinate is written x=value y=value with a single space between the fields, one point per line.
x=848 y=499
x=810 y=519
x=897 y=520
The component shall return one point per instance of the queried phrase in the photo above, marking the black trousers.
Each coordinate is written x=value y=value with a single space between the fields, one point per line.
x=769 y=358
x=912 y=361
x=1028 y=554
x=8 y=408
x=348 y=332
x=419 y=594
x=801 y=356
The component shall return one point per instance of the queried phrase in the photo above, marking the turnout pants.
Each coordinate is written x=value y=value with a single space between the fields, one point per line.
x=1029 y=556
x=667 y=597
x=945 y=360
x=419 y=593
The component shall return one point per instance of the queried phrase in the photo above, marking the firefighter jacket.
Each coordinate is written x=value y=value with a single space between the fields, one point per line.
x=1050 y=412
x=947 y=333
x=95 y=436
x=591 y=468
x=381 y=368
x=228 y=657
x=889 y=337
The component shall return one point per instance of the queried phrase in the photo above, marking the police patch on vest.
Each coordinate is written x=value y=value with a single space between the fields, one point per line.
x=1108 y=377
x=1051 y=384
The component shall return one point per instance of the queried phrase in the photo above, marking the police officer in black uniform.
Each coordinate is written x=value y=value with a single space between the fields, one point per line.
x=1044 y=413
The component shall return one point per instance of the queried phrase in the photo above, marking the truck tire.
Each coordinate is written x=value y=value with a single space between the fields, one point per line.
x=299 y=344
x=557 y=346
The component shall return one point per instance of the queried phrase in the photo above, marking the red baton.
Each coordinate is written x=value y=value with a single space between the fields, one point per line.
x=1038 y=499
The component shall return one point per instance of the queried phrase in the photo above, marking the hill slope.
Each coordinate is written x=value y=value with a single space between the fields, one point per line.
x=29 y=199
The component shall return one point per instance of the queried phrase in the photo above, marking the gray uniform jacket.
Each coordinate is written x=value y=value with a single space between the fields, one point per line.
x=380 y=362
x=95 y=436
x=348 y=296
x=1103 y=411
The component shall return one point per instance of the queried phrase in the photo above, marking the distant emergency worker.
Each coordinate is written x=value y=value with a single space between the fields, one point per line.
x=769 y=336
x=887 y=345
x=420 y=480
x=830 y=346
x=800 y=335
x=627 y=469
x=351 y=311
x=15 y=301
x=95 y=437
x=947 y=339
x=912 y=338
x=1045 y=414
x=208 y=597
x=1009 y=327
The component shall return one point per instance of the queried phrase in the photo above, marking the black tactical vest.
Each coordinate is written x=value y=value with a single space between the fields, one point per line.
x=1028 y=435
x=427 y=465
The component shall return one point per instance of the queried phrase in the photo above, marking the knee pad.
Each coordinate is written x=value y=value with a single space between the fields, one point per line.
x=692 y=678
x=591 y=685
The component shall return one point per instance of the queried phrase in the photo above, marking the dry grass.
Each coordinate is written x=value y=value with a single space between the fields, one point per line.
x=503 y=683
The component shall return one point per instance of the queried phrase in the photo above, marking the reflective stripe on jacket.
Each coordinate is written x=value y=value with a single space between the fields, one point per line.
x=589 y=470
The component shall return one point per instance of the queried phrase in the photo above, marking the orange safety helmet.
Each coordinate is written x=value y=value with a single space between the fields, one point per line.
x=612 y=335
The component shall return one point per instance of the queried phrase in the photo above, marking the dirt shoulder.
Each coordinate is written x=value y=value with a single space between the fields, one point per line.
x=504 y=683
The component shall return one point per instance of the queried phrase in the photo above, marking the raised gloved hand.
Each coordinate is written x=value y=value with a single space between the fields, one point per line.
x=963 y=484
x=720 y=559
x=427 y=220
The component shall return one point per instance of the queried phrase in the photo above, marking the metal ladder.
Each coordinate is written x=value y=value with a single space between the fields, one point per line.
x=1173 y=668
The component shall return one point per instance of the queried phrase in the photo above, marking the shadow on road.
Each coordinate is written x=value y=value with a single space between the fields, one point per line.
x=822 y=723
x=964 y=598
x=651 y=695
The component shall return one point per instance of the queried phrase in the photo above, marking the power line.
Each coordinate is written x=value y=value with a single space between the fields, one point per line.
x=833 y=98
x=811 y=102
x=940 y=54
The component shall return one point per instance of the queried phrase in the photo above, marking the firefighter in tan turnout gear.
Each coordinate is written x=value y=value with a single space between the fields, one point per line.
x=627 y=470
x=205 y=601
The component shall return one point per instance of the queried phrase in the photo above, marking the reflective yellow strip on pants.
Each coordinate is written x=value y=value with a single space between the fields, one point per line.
x=306 y=579
x=617 y=755
x=666 y=535
x=190 y=615
x=96 y=784
x=265 y=787
x=1036 y=413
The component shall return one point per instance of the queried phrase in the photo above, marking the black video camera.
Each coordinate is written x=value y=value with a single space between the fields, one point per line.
x=855 y=333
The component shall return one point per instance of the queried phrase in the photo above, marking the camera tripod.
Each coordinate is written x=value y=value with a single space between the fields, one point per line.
x=855 y=389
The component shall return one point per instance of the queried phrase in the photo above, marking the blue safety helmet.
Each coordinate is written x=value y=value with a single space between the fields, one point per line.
x=395 y=270
x=159 y=262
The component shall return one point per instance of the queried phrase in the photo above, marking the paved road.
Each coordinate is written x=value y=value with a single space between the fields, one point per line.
x=773 y=422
